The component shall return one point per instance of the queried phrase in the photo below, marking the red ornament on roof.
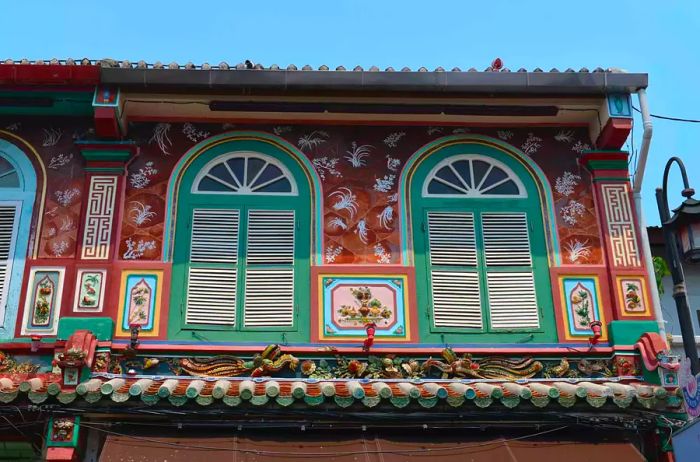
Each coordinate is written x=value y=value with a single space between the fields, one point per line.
x=497 y=64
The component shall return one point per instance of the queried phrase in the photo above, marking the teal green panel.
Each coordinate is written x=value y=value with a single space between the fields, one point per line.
x=103 y=328
x=628 y=332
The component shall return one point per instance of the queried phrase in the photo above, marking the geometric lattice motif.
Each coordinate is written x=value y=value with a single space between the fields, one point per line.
x=623 y=238
x=99 y=217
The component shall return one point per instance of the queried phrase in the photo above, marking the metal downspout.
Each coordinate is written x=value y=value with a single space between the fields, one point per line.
x=637 y=188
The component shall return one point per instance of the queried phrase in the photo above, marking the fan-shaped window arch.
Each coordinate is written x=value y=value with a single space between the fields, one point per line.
x=245 y=173
x=9 y=177
x=479 y=247
x=242 y=241
x=473 y=175
x=17 y=192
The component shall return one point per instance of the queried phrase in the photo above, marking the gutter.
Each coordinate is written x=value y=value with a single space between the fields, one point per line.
x=637 y=192
x=531 y=83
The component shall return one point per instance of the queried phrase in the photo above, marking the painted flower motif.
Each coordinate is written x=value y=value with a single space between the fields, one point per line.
x=505 y=135
x=531 y=145
x=326 y=166
x=332 y=252
x=312 y=140
x=564 y=136
x=579 y=147
x=572 y=211
x=566 y=183
x=192 y=133
x=357 y=154
x=385 y=183
x=577 y=250
x=161 y=138
x=345 y=200
x=393 y=139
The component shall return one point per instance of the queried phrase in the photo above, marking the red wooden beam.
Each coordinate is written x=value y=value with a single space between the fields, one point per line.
x=49 y=74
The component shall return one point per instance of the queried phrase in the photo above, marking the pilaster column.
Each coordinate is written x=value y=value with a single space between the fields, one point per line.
x=618 y=218
x=105 y=175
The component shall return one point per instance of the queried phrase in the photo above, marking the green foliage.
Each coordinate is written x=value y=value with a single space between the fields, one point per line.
x=661 y=270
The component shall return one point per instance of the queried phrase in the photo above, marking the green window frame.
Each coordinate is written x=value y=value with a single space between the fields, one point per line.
x=482 y=271
x=233 y=236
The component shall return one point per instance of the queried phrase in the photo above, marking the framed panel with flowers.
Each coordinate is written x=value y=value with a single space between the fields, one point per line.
x=43 y=300
x=348 y=303
x=89 y=290
x=632 y=296
x=139 y=295
x=582 y=304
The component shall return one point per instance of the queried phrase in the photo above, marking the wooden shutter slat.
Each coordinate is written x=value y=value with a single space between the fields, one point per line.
x=451 y=239
x=506 y=239
x=8 y=223
x=269 y=297
x=512 y=300
x=214 y=236
x=212 y=275
x=269 y=290
x=211 y=296
x=456 y=299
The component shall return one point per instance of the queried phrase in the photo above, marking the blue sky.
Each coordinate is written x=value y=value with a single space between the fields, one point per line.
x=660 y=38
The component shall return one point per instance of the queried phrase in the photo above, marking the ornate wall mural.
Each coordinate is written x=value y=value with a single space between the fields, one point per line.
x=359 y=168
x=54 y=141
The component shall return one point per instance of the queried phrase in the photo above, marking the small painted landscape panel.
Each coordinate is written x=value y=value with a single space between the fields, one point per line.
x=89 y=290
x=140 y=302
x=582 y=301
x=632 y=295
x=43 y=301
x=351 y=302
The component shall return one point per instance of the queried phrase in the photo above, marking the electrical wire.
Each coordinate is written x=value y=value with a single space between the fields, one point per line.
x=326 y=454
x=674 y=119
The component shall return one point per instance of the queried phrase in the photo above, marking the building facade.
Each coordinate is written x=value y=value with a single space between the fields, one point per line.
x=305 y=256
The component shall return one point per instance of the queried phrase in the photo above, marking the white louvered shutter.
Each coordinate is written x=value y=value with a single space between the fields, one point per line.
x=8 y=223
x=212 y=273
x=509 y=275
x=269 y=277
x=454 y=279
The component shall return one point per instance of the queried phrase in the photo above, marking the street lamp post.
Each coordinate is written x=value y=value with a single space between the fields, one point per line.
x=685 y=224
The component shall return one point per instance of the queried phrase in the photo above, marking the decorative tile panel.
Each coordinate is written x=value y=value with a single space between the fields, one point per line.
x=632 y=295
x=89 y=290
x=140 y=301
x=43 y=300
x=623 y=237
x=581 y=303
x=99 y=217
x=350 y=302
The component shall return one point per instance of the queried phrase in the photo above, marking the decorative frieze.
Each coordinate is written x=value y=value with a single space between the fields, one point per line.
x=99 y=216
x=621 y=229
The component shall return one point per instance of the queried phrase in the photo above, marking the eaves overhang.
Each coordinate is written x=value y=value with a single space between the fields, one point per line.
x=465 y=83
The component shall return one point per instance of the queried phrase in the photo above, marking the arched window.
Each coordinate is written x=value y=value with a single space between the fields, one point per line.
x=479 y=246
x=242 y=243
x=17 y=191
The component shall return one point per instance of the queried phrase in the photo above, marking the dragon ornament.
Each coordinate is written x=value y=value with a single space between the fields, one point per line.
x=487 y=368
x=266 y=363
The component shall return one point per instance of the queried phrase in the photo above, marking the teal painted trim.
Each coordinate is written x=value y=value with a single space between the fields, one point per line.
x=24 y=198
x=544 y=189
x=197 y=149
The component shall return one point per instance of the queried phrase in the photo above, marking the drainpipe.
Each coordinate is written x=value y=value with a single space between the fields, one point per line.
x=637 y=191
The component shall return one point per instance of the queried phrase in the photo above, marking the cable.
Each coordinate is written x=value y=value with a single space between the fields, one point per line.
x=326 y=454
x=675 y=119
